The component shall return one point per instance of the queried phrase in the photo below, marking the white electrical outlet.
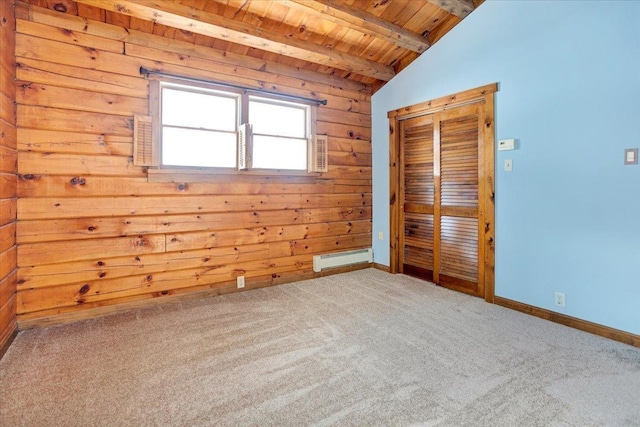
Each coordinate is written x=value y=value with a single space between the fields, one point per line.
x=240 y=281
x=559 y=299
x=380 y=235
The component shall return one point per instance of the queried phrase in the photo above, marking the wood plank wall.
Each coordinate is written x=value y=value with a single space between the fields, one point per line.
x=93 y=232
x=8 y=166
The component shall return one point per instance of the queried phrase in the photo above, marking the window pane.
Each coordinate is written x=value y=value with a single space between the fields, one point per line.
x=198 y=110
x=279 y=153
x=187 y=147
x=279 y=120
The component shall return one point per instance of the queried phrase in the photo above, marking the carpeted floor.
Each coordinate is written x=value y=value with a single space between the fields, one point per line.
x=363 y=348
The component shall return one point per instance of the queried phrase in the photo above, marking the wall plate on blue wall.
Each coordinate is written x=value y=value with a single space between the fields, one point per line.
x=506 y=144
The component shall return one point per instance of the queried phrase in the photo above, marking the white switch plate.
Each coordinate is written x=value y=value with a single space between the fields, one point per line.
x=508 y=165
x=240 y=281
x=506 y=144
x=631 y=156
x=380 y=235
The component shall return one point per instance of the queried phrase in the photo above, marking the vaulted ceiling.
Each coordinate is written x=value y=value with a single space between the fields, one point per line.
x=368 y=41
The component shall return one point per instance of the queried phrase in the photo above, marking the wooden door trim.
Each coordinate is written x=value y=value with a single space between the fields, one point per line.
x=486 y=175
x=482 y=191
x=444 y=102
x=401 y=201
x=488 y=205
x=437 y=198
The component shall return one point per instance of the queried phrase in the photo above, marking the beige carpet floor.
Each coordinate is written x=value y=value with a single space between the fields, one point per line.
x=363 y=348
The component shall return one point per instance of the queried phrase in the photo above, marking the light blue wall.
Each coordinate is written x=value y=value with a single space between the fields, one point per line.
x=568 y=216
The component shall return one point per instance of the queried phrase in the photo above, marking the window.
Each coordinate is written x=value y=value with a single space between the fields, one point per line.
x=199 y=127
x=209 y=127
x=280 y=134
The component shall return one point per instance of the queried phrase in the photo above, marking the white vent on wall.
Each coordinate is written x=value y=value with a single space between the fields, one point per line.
x=341 y=259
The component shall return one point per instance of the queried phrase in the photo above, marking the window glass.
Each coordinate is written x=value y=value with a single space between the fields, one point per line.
x=199 y=110
x=279 y=153
x=269 y=118
x=192 y=147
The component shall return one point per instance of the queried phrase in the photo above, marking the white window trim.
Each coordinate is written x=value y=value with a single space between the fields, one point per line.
x=160 y=172
x=309 y=111
x=196 y=89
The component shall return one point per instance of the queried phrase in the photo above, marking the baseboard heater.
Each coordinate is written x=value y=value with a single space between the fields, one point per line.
x=341 y=259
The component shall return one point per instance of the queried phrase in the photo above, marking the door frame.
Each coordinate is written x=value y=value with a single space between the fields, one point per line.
x=486 y=176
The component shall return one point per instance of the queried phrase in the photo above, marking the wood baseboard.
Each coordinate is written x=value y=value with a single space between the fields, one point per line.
x=7 y=340
x=583 y=325
x=179 y=295
x=381 y=267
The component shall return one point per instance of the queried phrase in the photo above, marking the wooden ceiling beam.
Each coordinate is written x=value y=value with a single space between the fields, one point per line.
x=361 y=21
x=197 y=21
x=459 y=8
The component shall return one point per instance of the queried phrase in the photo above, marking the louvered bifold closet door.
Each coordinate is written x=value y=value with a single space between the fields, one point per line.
x=457 y=266
x=418 y=196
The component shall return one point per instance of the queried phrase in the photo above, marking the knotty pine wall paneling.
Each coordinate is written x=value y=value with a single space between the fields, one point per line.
x=8 y=181
x=94 y=233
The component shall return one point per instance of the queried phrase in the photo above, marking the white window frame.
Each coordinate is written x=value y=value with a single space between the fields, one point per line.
x=243 y=97
x=308 y=134
x=196 y=89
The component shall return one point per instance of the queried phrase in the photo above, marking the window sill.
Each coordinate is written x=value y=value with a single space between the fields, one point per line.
x=227 y=175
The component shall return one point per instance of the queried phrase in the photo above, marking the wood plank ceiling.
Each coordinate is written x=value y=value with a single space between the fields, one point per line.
x=367 y=41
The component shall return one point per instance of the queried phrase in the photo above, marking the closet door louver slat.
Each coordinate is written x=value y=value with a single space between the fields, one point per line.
x=459 y=198
x=418 y=196
x=459 y=248
x=418 y=240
